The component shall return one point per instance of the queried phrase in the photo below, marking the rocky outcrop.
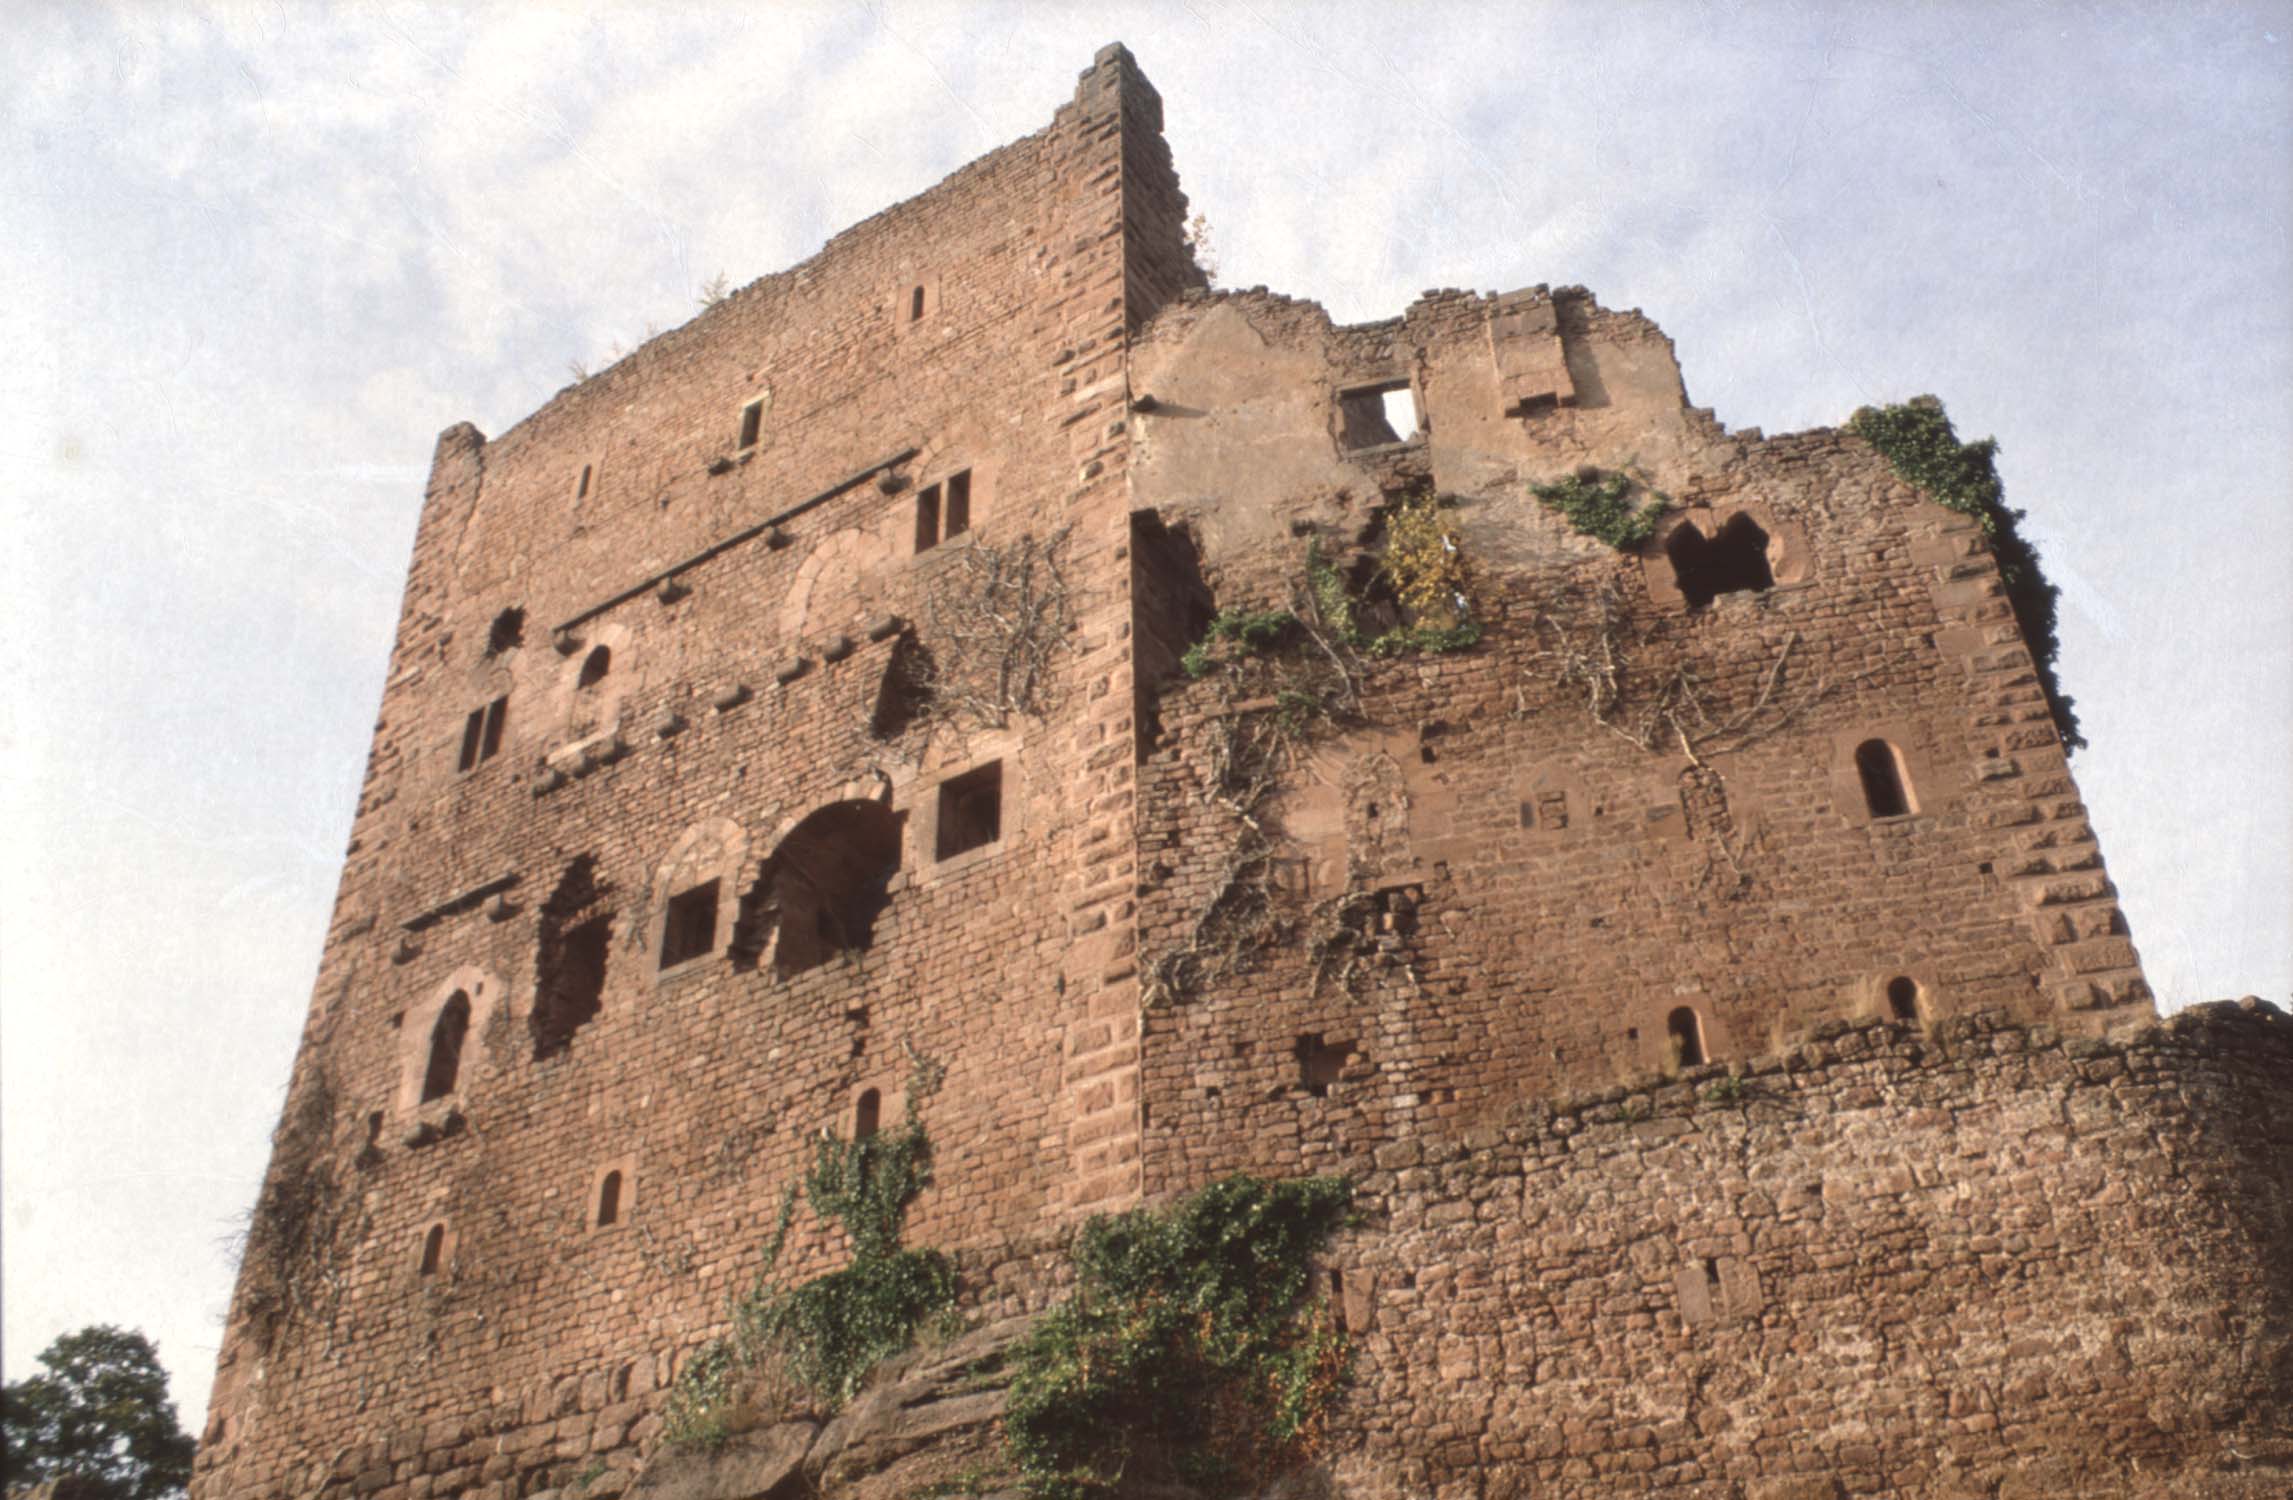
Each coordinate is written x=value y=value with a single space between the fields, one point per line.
x=931 y=1423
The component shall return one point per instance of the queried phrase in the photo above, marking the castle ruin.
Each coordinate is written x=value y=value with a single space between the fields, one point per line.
x=1210 y=739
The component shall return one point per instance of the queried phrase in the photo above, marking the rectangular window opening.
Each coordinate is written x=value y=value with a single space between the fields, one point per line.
x=955 y=519
x=751 y=423
x=1372 y=415
x=691 y=927
x=970 y=810
x=482 y=733
x=473 y=735
x=927 y=518
x=916 y=303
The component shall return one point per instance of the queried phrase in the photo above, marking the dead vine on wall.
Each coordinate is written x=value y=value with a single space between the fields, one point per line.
x=997 y=618
x=1643 y=688
x=292 y=1275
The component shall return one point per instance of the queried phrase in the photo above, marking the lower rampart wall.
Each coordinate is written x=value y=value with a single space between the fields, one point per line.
x=1990 y=1261
x=1980 y=1261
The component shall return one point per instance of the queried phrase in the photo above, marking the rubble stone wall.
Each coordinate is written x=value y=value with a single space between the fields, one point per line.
x=1985 y=1259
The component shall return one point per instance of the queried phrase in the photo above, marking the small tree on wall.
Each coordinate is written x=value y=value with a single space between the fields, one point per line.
x=99 y=1417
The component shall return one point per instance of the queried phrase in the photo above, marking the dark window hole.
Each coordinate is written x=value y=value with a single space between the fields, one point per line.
x=1733 y=561
x=970 y=811
x=691 y=927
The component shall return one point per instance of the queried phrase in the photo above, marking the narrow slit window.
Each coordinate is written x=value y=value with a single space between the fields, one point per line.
x=473 y=735
x=445 y=1067
x=927 y=518
x=955 y=515
x=1886 y=790
x=433 y=1249
x=691 y=927
x=581 y=485
x=970 y=810
x=609 y=1200
x=916 y=303
x=867 y=1115
x=1903 y=998
x=751 y=423
x=1684 y=1036
x=497 y=716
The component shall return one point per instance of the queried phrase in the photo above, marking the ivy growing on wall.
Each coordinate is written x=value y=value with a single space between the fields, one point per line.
x=1190 y=1349
x=1918 y=442
x=1601 y=507
x=824 y=1335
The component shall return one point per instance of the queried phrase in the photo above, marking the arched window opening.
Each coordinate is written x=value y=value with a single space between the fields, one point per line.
x=609 y=1200
x=569 y=967
x=446 y=1048
x=1734 y=561
x=594 y=666
x=1903 y=999
x=867 y=1115
x=1886 y=790
x=433 y=1249
x=824 y=887
x=1684 y=1036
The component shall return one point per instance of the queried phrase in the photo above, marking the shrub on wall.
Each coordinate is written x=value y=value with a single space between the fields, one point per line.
x=826 y=1334
x=1918 y=442
x=1190 y=1347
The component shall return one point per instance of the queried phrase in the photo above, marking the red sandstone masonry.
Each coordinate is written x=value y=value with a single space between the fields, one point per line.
x=754 y=592
x=1986 y=1260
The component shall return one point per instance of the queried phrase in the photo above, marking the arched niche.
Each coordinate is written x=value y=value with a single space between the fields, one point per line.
x=823 y=887
x=480 y=991
x=593 y=681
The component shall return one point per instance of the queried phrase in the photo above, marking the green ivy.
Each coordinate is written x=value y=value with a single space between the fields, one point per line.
x=1920 y=445
x=1257 y=631
x=829 y=1332
x=1601 y=507
x=1190 y=1344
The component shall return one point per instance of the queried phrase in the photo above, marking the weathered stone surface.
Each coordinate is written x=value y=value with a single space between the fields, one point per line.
x=764 y=1464
x=1741 y=1104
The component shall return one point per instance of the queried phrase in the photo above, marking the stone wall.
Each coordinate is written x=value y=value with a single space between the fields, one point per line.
x=668 y=860
x=698 y=588
x=1476 y=886
x=1980 y=1259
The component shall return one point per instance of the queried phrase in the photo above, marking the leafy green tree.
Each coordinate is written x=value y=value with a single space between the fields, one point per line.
x=100 y=1415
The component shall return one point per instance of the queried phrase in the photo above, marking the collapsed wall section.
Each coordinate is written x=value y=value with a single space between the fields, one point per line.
x=1778 y=759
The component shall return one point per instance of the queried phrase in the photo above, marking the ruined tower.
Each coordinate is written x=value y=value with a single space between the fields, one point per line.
x=1204 y=738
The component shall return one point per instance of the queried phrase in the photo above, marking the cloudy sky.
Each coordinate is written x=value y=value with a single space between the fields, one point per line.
x=256 y=256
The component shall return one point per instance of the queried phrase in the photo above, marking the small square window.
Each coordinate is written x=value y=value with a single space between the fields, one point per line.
x=1372 y=415
x=970 y=811
x=751 y=423
x=482 y=733
x=691 y=927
